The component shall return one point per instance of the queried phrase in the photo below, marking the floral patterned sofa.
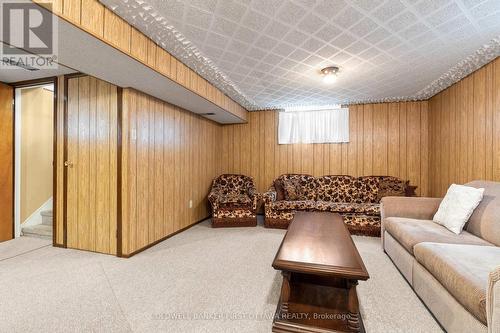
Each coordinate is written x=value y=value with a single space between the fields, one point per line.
x=357 y=199
x=234 y=201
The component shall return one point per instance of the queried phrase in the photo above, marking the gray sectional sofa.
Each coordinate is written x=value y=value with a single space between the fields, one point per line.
x=456 y=276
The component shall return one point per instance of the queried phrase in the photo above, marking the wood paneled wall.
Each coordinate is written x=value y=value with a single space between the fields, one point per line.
x=6 y=163
x=94 y=18
x=385 y=139
x=169 y=157
x=92 y=125
x=465 y=130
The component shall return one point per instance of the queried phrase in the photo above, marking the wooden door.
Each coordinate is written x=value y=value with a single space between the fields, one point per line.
x=6 y=163
x=91 y=165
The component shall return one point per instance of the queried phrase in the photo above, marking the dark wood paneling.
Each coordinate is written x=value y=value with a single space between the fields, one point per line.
x=6 y=163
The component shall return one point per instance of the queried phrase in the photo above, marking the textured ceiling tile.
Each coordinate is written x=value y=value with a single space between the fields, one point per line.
x=444 y=14
x=195 y=34
x=198 y=17
x=245 y=35
x=347 y=17
x=329 y=8
x=296 y=37
x=311 y=23
x=174 y=8
x=327 y=51
x=364 y=27
x=223 y=27
x=343 y=40
x=312 y=45
x=217 y=40
x=238 y=46
x=314 y=61
x=367 y=5
x=272 y=59
x=266 y=43
x=255 y=21
x=256 y=53
x=472 y=3
x=340 y=58
x=486 y=8
x=357 y=47
x=490 y=22
x=231 y=10
x=328 y=33
x=376 y=35
x=388 y=10
x=276 y=30
x=298 y=55
x=268 y=53
x=452 y=25
x=389 y=43
x=402 y=21
x=249 y=62
x=208 y=5
x=267 y=6
x=283 y=49
x=425 y=7
x=290 y=13
x=413 y=31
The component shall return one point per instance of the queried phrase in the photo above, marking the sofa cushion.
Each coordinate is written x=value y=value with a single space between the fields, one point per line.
x=293 y=205
x=410 y=232
x=372 y=209
x=368 y=189
x=293 y=190
x=462 y=270
x=231 y=183
x=457 y=206
x=299 y=186
x=335 y=207
x=485 y=221
x=234 y=198
x=346 y=207
x=336 y=189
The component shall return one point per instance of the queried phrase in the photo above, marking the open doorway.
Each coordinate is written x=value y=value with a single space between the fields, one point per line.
x=33 y=161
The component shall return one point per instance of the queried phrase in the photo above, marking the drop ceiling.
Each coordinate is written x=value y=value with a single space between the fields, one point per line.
x=268 y=53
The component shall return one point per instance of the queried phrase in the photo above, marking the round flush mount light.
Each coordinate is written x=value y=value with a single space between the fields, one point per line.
x=330 y=74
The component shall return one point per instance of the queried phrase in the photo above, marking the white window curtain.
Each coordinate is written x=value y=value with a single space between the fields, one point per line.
x=325 y=126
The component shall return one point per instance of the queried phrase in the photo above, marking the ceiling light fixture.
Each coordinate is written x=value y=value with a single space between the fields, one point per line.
x=330 y=74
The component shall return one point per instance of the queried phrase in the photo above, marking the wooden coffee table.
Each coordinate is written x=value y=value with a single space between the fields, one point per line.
x=321 y=268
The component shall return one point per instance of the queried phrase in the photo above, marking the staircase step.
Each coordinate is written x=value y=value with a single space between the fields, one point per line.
x=46 y=213
x=38 y=230
x=46 y=217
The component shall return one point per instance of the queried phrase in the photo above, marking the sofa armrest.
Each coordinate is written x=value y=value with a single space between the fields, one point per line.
x=493 y=301
x=213 y=198
x=409 y=207
x=269 y=197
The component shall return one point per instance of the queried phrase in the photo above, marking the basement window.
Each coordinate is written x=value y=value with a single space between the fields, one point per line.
x=316 y=126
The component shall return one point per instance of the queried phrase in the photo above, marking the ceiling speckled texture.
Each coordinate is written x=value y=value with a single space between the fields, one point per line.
x=267 y=54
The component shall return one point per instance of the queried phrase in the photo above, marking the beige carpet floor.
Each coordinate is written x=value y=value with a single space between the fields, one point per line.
x=201 y=280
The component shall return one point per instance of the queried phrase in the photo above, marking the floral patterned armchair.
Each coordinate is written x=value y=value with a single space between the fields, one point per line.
x=234 y=201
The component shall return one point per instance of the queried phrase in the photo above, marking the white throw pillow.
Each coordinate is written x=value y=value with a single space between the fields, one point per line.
x=457 y=206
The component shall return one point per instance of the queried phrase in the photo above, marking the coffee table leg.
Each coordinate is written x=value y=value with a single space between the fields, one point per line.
x=285 y=291
x=353 y=307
